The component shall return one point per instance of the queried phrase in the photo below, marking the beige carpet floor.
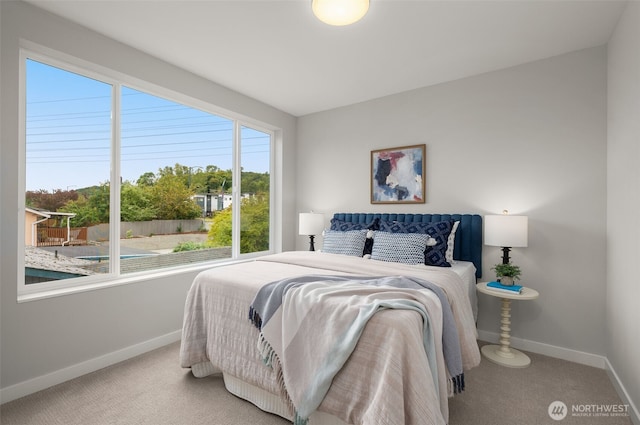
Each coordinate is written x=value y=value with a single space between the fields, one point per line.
x=152 y=389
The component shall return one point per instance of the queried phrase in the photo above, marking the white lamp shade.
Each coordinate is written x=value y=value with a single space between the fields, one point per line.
x=506 y=230
x=310 y=224
x=339 y=12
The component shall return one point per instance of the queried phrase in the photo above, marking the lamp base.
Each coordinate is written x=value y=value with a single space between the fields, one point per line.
x=311 y=245
x=505 y=254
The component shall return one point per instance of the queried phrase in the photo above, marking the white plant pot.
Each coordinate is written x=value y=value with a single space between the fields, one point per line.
x=506 y=280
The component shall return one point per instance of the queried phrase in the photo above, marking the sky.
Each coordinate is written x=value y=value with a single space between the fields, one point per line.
x=68 y=132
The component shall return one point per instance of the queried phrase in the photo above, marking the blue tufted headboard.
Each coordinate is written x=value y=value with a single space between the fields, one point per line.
x=468 y=245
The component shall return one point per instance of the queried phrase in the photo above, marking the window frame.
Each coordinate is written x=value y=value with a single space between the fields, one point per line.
x=31 y=51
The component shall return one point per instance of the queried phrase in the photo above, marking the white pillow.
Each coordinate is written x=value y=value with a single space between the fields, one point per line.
x=345 y=243
x=451 y=243
x=407 y=248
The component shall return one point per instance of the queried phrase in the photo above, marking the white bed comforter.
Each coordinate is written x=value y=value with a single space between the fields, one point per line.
x=387 y=379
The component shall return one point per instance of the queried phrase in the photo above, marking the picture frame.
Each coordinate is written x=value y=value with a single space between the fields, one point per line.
x=398 y=175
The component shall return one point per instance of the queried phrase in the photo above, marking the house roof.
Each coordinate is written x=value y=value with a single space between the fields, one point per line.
x=48 y=214
x=36 y=258
x=36 y=211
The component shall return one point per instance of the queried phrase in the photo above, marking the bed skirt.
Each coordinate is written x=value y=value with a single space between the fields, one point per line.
x=271 y=403
x=264 y=400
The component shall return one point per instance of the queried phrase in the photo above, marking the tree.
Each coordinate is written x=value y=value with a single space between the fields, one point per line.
x=135 y=204
x=147 y=179
x=172 y=199
x=50 y=201
x=254 y=225
x=253 y=182
x=91 y=209
x=220 y=232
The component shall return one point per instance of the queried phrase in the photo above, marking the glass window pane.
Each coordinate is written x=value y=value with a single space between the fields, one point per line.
x=176 y=166
x=68 y=150
x=255 y=184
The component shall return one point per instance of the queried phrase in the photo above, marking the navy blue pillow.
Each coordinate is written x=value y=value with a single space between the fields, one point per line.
x=435 y=255
x=345 y=226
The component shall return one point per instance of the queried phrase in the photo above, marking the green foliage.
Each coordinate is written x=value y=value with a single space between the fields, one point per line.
x=254 y=223
x=173 y=200
x=254 y=182
x=129 y=234
x=220 y=232
x=136 y=204
x=166 y=195
x=189 y=246
x=254 y=231
x=510 y=270
x=90 y=210
x=147 y=179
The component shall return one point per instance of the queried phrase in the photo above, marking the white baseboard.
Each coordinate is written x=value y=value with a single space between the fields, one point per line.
x=42 y=382
x=575 y=356
x=634 y=414
x=548 y=350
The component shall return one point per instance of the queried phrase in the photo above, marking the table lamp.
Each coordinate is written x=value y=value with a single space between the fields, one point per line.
x=506 y=231
x=310 y=224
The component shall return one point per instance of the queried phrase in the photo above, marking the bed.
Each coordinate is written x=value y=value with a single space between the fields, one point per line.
x=391 y=375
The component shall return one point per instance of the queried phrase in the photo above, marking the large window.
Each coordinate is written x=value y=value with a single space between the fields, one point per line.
x=121 y=181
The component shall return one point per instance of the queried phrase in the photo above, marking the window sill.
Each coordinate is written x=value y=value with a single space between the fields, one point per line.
x=122 y=280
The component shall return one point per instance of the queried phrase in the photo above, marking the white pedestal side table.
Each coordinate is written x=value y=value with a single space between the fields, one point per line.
x=503 y=354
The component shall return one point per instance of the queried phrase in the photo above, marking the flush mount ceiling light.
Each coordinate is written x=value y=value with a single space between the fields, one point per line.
x=339 y=12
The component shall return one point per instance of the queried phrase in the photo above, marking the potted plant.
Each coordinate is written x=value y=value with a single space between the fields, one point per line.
x=507 y=273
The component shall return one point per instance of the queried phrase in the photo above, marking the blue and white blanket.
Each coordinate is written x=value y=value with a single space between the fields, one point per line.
x=309 y=326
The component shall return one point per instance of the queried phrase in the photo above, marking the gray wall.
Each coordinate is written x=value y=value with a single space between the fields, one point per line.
x=530 y=139
x=44 y=337
x=623 y=202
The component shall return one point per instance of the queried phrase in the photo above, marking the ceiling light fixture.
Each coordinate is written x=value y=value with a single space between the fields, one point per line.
x=339 y=12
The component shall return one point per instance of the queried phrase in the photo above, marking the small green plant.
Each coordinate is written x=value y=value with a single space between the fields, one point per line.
x=189 y=246
x=507 y=270
x=179 y=229
x=129 y=234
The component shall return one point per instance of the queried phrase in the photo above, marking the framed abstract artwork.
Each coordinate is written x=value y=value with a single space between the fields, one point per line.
x=397 y=175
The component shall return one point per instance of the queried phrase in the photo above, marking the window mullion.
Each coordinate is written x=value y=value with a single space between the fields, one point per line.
x=235 y=192
x=114 y=186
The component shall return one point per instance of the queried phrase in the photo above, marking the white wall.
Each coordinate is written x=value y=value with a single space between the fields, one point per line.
x=39 y=339
x=531 y=139
x=623 y=202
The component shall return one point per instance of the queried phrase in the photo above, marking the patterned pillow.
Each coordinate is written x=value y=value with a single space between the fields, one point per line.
x=451 y=243
x=345 y=243
x=345 y=226
x=435 y=255
x=398 y=227
x=407 y=248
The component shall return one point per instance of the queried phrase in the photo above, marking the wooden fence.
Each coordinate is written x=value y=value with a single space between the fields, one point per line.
x=58 y=236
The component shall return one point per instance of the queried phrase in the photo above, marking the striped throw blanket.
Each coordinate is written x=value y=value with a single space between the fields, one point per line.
x=309 y=326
